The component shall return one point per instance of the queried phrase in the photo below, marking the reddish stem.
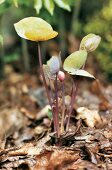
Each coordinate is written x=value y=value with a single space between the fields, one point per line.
x=63 y=107
x=57 y=109
x=74 y=93
x=43 y=76
x=45 y=85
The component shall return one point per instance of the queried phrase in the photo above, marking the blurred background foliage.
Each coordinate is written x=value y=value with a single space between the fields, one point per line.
x=73 y=19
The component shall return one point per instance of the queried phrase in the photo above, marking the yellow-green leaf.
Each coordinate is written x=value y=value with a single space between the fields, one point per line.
x=80 y=72
x=1 y=40
x=49 y=5
x=1 y=1
x=75 y=61
x=37 y=5
x=35 y=29
x=63 y=4
x=90 y=42
x=15 y=3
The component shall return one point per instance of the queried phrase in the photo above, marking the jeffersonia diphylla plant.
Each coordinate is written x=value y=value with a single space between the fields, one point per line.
x=36 y=29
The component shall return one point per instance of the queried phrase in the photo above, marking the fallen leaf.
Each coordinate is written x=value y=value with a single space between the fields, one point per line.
x=10 y=121
x=31 y=148
x=82 y=165
x=90 y=117
x=59 y=159
x=98 y=89
x=43 y=112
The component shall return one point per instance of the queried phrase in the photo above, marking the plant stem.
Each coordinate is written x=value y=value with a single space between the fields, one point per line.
x=74 y=93
x=53 y=107
x=46 y=88
x=63 y=107
x=43 y=76
x=57 y=109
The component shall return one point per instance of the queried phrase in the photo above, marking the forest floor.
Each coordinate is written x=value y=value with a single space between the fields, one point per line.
x=26 y=137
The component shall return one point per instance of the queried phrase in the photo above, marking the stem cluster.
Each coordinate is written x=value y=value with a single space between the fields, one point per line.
x=59 y=125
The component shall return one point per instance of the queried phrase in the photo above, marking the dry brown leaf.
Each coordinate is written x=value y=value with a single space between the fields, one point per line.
x=28 y=113
x=43 y=112
x=10 y=121
x=82 y=165
x=15 y=78
x=30 y=148
x=90 y=117
x=60 y=159
x=98 y=89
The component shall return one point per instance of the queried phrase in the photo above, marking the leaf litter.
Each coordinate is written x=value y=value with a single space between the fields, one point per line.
x=26 y=138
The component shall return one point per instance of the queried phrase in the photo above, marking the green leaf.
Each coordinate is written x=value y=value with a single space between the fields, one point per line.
x=49 y=5
x=15 y=3
x=1 y=40
x=49 y=114
x=63 y=4
x=75 y=61
x=82 y=44
x=90 y=42
x=37 y=5
x=4 y=5
x=1 y=1
x=12 y=57
x=81 y=72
